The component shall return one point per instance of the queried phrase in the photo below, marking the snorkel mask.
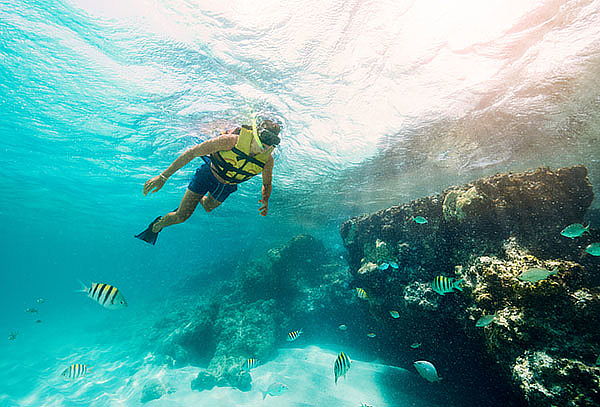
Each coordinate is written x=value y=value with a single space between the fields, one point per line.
x=265 y=135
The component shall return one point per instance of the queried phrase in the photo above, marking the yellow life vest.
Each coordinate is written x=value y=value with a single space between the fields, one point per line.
x=237 y=165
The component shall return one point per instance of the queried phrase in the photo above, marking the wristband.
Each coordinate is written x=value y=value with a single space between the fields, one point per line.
x=163 y=177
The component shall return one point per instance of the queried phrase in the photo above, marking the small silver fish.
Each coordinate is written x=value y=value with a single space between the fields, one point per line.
x=427 y=371
x=106 y=295
x=342 y=327
x=75 y=371
x=536 y=274
x=12 y=336
x=38 y=321
x=443 y=285
x=593 y=249
x=371 y=334
x=362 y=294
x=575 y=230
x=31 y=310
x=485 y=320
x=419 y=219
x=341 y=366
x=40 y=300
x=416 y=345
x=275 y=389
x=394 y=314
x=292 y=336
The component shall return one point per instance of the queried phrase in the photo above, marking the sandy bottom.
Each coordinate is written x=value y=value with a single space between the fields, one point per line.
x=307 y=372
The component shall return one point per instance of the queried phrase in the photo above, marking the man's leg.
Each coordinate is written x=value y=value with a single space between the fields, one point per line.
x=209 y=203
x=186 y=208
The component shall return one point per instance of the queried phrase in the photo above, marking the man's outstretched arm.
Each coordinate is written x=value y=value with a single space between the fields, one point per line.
x=225 y=142
x=267 y=187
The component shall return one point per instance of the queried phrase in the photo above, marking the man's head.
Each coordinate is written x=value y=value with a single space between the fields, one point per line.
x=268 y=132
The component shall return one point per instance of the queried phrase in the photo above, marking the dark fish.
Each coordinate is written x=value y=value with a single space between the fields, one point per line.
x=341 y=366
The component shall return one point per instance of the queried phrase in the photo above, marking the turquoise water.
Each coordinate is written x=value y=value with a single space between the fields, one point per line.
x=380 y=102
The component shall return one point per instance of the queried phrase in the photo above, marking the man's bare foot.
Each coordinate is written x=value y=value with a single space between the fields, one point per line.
x=159 y=225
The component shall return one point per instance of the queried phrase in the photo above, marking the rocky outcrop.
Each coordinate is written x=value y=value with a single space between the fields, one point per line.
x=290 y=288
x=541 y=348
x=152 y=390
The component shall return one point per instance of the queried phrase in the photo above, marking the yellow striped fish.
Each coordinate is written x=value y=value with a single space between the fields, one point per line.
x=106 y=295
x=75 y=371
x=292 y=336
x=341 y=366
x=362 y=294
x=443 y=285
x=251 y=364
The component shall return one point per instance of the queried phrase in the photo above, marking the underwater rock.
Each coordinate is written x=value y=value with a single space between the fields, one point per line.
x=152 y=390
x=378 y=252
x=185 y=334
x=531 y=206
x=542 y=329
x=296 y=285
x=242 y=331
x=458 y=204
x=543 y=340
x=367 y=267
x=204 y=381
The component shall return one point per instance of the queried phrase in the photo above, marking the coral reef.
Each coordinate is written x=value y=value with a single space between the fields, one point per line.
x=250 y=315
x=152 y=390
x=541 y=347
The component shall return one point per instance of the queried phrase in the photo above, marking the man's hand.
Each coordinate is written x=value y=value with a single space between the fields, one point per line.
x=264 y=209
x=154 y=184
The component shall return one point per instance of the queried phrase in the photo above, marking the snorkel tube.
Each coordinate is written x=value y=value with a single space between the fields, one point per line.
x=255 y=132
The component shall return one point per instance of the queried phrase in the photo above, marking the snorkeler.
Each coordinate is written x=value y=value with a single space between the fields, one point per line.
x=231 y=158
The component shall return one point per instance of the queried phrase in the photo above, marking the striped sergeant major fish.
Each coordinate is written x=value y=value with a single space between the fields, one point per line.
x=341 y=366
x=251 y=363
x=443 y=285
x=292 y=336
x=362 y=294
x=106 y=295
x=75 y=371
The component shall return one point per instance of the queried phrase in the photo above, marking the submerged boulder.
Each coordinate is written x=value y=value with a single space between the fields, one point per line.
x=542 y=343
x=152 y=390
x=293 y=286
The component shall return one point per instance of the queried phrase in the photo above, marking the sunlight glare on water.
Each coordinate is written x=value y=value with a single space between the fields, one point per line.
x=381 y=102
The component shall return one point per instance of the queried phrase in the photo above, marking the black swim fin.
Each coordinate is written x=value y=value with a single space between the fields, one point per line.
x=148 y=235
